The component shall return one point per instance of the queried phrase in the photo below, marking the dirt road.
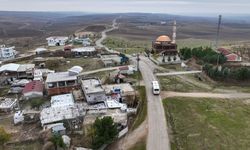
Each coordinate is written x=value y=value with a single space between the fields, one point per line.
x=206 y=95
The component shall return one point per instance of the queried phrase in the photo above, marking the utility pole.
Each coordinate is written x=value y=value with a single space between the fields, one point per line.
x=138 y=69
x=217 y=38
x=218 y=32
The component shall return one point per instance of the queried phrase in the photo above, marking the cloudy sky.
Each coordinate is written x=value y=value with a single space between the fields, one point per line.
x=186 y=7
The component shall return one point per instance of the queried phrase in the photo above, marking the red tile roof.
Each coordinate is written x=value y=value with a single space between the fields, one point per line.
x=232 y=57
x=224 y=51
x=33 y=86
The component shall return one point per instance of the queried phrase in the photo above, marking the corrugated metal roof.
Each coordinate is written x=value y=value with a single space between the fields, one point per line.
x=60 y=76
x=9 y=67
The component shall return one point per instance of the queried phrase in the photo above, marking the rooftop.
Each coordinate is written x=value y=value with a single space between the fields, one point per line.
x=55 y=114
x=33 y=86
x=84 y=49
x=7 y=103
x=60 y=76
x=9 y=67
x=25 y=67
x=62 y=100
x=125 y=87
x=163 y=38
x=92 y=85
x=57 y=37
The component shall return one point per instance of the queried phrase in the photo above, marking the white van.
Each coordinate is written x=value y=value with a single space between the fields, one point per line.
x=155 y=87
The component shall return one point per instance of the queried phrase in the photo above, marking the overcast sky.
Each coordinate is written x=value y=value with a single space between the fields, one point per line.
x=184 y=7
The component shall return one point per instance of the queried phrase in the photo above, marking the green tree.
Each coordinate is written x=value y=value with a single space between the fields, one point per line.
x=4 y=137
x=105 y=131
x=57 y=140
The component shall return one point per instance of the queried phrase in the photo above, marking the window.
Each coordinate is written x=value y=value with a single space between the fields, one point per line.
x=52 y=85
x=71 y=83
x=61 y=84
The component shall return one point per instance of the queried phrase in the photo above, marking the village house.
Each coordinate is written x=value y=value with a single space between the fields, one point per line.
x=20 y=71
x=93 y=90
x=124 y=91
x=231 y=57
x=7 y=52
x=7 y=104
x=62 y=82
x=62 y=100
x=25 y=71
x=33 y=89
x=84 y=51
x=57 y=40
x=127 y=70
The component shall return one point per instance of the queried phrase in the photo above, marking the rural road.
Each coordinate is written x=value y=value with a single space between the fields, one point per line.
x=206 y=95
x=157 y=125
x=157 y=138
x=177 y=73
x=104 y=36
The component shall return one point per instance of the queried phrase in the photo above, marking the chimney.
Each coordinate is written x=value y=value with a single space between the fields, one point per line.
x=174 y=33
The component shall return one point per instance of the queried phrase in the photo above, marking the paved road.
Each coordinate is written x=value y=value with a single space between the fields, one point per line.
x=206 y=95
x=157 y=125
x=177 y=73
x=157 y=138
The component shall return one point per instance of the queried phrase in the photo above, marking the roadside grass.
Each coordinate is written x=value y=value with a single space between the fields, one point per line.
x=137 y=75
x=208 y=123
x=142 y=110
x=141 y=145
x=170 y=83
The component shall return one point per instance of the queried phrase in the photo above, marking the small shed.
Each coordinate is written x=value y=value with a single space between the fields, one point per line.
x=33 y=89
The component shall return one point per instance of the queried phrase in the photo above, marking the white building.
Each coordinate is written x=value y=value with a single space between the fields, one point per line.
x=59 y=114
x=7 y=52
x=40 y=50
x=62 y=100
x=8 y=104
x=57 y=40
x=93 y=90
x=84 y=51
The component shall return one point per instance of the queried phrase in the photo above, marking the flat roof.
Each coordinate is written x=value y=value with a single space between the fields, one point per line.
x=125 y=87
x=112 y=103
x=92 y=85
x=58 y=37
x=25 y=67
x=84 y=49
x=55 y=114
x=60 y=76
x=62 y=100
x=9 y=67
x=7 y=103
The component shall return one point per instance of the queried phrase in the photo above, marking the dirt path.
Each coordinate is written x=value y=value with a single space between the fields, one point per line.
x=206 y=95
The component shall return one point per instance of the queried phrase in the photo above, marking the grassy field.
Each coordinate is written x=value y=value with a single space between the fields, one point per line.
x=126 y=46
x=208 y=123
x=171 y=83
x=142 y=111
